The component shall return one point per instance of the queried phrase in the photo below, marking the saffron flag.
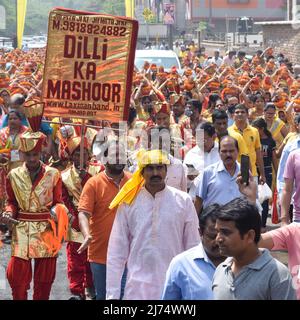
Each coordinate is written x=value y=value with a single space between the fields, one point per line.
x=89 y=65
x=21 y=14
x=129 y=8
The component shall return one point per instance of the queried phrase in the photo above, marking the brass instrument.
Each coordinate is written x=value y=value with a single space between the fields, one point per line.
x=9 y=218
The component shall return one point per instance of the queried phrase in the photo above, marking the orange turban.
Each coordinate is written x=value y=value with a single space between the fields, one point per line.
x=214 y=86
x=189 y=84
x=255 y=84
x=267 y=83
x=296 y=105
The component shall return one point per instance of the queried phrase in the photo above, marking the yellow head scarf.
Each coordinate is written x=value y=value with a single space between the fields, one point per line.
x=132 y=187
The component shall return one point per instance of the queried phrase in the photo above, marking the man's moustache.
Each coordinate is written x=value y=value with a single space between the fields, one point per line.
x=156 y=177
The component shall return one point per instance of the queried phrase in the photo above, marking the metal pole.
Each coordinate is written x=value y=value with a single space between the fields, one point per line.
x=210 y=12
x=288 y=10
x=170 y=27
x=294 y=10
x=82 y=145
x=227 y=31
x=79 y=124
x=16 y=23
x=147 y=31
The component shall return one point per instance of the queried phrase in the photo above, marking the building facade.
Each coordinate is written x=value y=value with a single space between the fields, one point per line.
x=218 y=11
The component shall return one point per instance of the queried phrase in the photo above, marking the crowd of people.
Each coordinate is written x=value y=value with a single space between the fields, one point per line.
x=156 y=208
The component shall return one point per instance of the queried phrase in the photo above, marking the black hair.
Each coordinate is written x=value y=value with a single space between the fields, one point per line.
x=261 y=123
x=196 y=104
x=270 y=105
x=213 y=98
x=18 y=99
x=228 y=136
x=16 y=112
x=258 y=96
x=219 y=115
x=269 y=94
x=209 y=212
x=113 y=143
x=188 y=94
x=143 y=99
x=252 y=97
x=208 y=128
x=297 y=119
x=241 y=106
x=131 y=115
x=244 y=214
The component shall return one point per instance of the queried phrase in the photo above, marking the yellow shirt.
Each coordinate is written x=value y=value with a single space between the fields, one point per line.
x=252 y=140
x=275 y=129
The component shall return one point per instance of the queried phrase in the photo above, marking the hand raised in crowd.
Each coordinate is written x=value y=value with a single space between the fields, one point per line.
x=250 y=190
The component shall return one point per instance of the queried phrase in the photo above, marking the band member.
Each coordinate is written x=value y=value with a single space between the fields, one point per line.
x=74 y=179
x=33 y=190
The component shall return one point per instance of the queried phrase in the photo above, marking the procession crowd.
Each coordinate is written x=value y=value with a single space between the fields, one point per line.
x=156 y=207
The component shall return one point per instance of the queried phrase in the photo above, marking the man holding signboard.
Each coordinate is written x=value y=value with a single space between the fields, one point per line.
x=74 y=179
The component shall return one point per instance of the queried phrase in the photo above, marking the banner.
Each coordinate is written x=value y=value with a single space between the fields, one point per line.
x=129 y=8
x=89 y=65
x=21 y=14
x=169 y=13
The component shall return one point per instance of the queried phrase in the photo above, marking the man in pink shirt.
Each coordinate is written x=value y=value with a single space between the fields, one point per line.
x=291 y=188
x=286 y=238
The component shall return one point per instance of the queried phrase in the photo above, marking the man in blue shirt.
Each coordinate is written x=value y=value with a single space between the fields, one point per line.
x=190 y=274
x=218 y=182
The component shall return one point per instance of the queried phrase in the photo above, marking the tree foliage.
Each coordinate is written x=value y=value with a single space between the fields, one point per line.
x=38 y=10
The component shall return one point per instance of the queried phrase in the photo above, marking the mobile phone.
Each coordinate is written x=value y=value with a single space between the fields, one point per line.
x=245 y=167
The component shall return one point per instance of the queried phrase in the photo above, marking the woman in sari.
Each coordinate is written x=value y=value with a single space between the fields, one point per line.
x=10 y=140
x=276 y=126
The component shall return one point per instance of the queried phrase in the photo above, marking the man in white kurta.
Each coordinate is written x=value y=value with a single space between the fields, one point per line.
x=147 y=233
